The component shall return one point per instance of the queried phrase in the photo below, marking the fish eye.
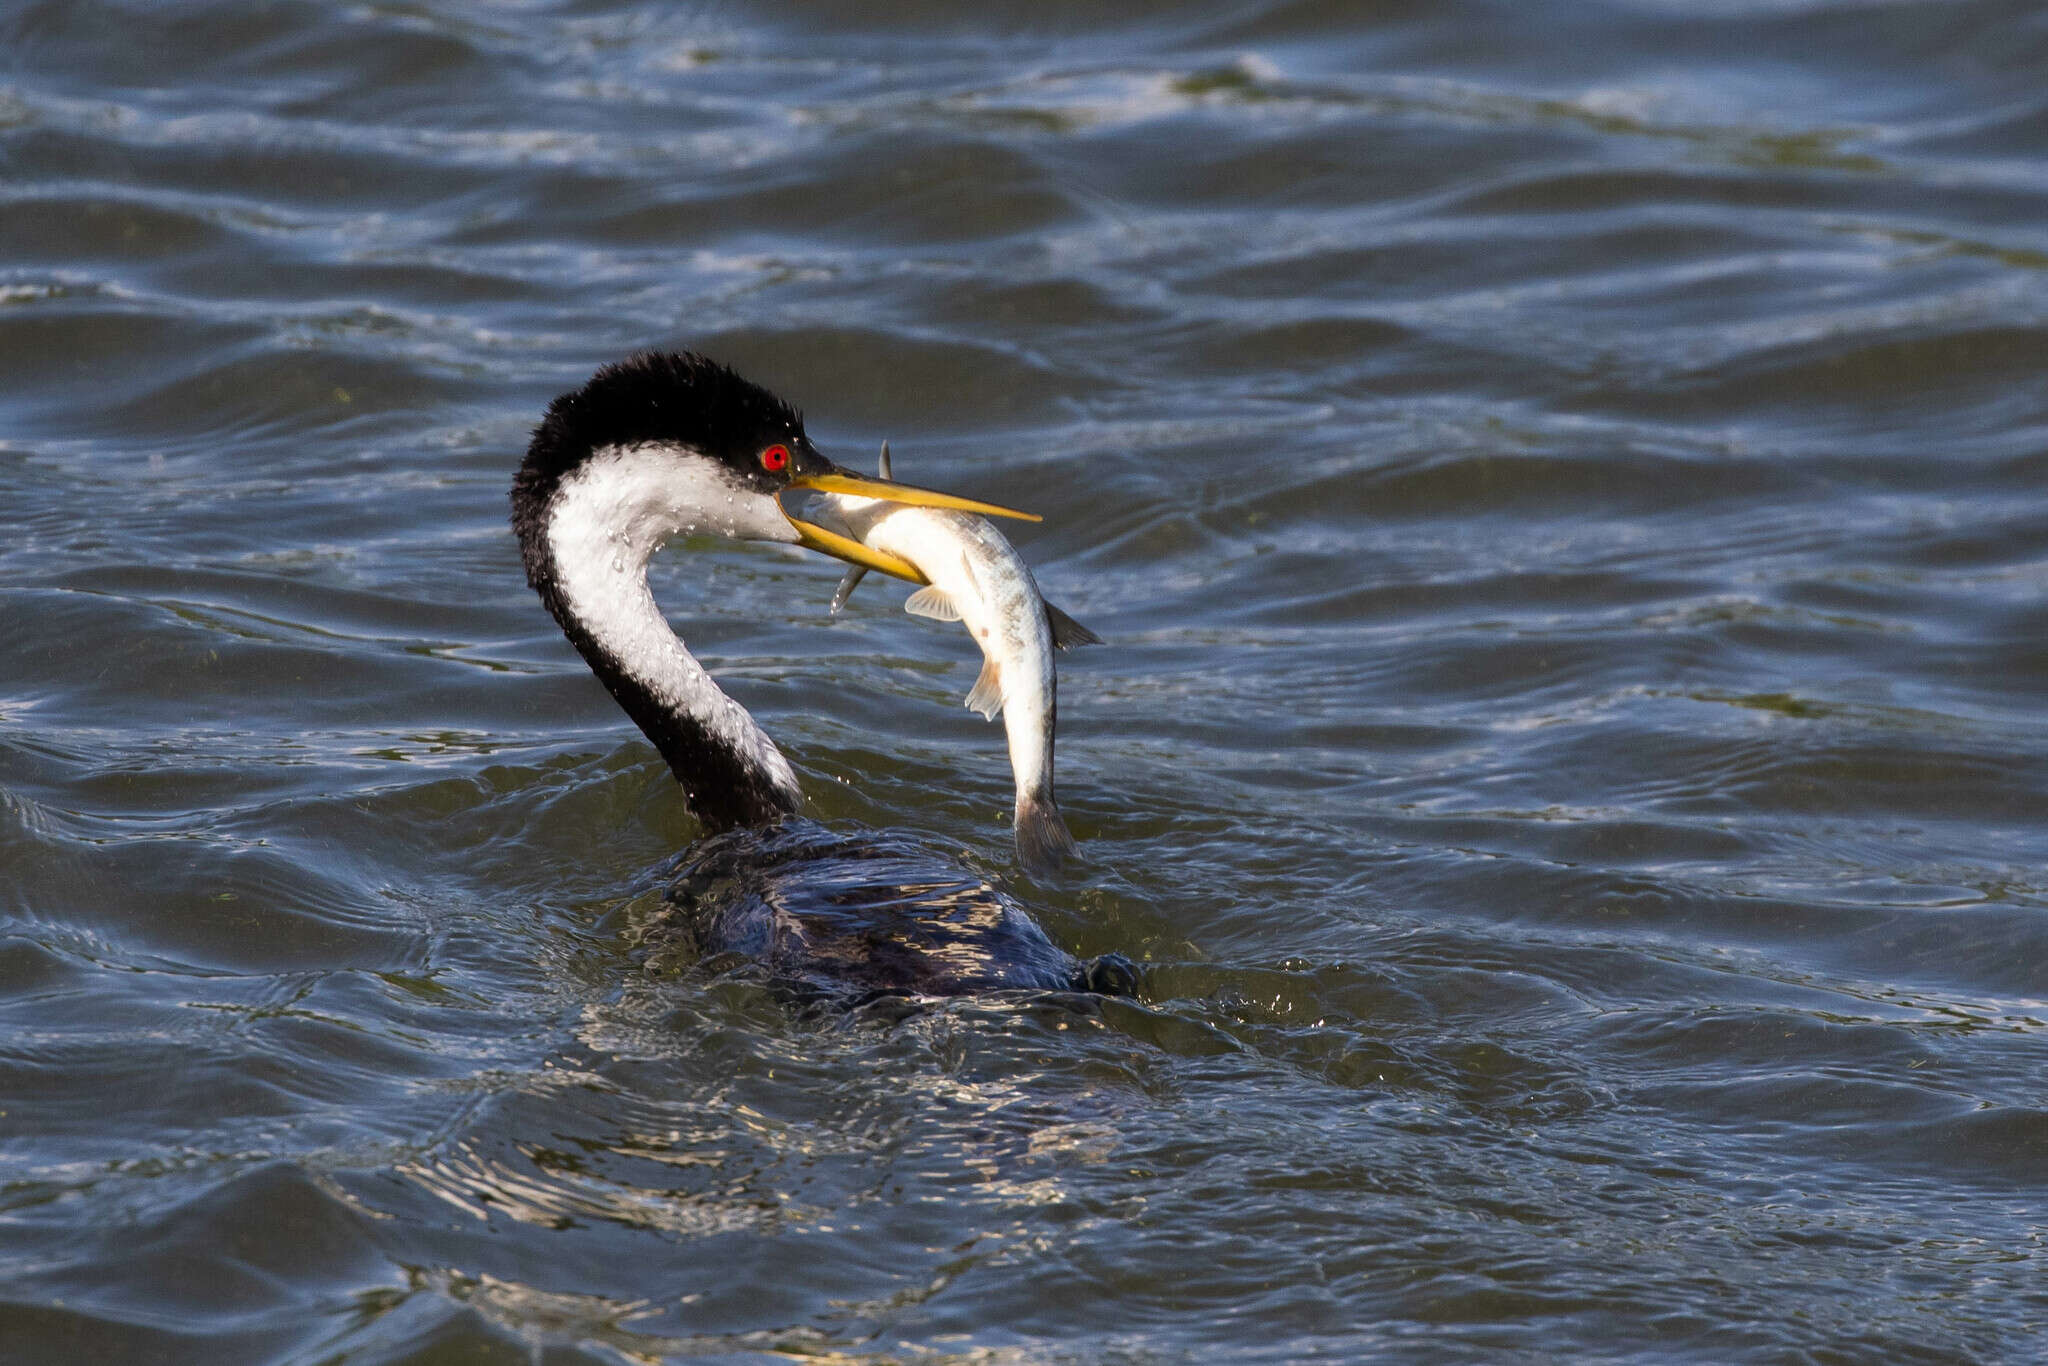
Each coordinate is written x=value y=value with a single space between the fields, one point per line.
x=775 y=458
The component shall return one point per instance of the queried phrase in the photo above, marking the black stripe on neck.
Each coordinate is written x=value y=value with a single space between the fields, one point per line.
x=725 y=788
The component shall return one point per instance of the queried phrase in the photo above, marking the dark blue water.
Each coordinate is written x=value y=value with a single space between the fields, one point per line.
x=1562 y=484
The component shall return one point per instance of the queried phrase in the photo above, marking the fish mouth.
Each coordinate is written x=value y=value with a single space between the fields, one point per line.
x=835 y=480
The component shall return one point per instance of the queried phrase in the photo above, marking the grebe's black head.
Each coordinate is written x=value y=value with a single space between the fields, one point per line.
x=671 y=442
x=681 y=401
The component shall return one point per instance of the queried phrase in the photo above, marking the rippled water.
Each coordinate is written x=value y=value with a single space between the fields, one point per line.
x=1563 y=487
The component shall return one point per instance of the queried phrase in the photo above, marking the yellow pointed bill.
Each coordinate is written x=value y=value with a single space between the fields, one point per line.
x=839 y=481
x=852 y=551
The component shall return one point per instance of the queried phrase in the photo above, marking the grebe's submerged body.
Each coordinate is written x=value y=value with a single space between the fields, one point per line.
x=853 y=915
x=664 y=445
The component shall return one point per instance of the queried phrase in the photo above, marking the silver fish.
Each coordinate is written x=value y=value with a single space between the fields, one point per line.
x=977 y=578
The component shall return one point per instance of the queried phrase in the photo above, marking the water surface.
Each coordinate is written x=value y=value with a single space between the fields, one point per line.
x=1562 y=486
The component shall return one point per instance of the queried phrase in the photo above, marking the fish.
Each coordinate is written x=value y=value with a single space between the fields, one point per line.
x=976 y=577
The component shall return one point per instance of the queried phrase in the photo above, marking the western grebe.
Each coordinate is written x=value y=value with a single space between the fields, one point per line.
x=670 y=444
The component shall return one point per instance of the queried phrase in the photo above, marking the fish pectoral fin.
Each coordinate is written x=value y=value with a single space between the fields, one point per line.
x=846 y=587
x=932 y=602
x=1066 y=632
x=859 y=571
x=987 y=697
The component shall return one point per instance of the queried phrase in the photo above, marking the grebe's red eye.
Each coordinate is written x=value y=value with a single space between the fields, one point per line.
x=775 y=458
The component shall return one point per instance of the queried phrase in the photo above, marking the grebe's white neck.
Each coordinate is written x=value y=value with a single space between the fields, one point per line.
x=603 y=523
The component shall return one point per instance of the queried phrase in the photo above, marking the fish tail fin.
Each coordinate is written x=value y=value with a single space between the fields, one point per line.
x=1042 y=839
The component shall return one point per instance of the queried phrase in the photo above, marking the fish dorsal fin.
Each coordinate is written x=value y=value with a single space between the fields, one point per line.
x=846 y=587
x=931 y=601
x=987 y=696
x=1066 y=632
x=882 y=466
